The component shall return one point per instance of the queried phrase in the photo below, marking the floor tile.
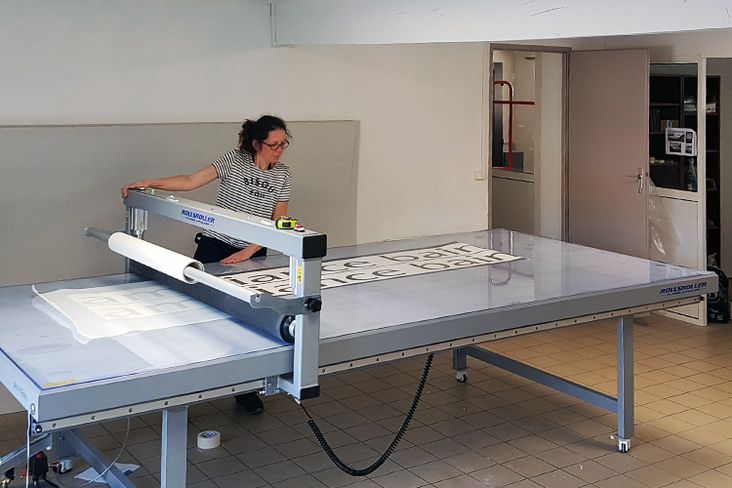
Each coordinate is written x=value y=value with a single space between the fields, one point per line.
x=712 y=479
x=436 y=471
x=413 y=456
x=529 y=466
x=496 y=476
x=469 y=461
x=707 y=457
x=464 y=481
x=399 y=479
x=653 y=476
x=590 y=471
x=558 y=479
x=680 y=466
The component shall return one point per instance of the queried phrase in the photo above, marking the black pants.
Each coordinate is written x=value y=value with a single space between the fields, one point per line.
x=212 y=250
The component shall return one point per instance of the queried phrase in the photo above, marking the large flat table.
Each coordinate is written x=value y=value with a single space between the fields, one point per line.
x=64 y=383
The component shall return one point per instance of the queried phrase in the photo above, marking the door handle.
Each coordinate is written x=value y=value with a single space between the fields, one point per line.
x=638 y=179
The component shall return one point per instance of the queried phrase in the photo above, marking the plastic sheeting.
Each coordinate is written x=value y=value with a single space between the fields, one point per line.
x=664 y=239
x=109 y=311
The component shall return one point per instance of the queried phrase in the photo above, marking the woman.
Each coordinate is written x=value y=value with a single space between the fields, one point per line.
x=253 y=180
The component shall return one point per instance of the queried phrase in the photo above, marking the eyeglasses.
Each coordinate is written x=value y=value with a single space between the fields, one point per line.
x=276 y=147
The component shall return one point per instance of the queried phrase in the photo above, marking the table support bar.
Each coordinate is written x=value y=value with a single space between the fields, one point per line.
x=623 y=405
x=76 y=442
x=542 y=377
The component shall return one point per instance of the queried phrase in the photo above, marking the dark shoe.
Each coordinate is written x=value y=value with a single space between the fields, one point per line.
x=250 y=403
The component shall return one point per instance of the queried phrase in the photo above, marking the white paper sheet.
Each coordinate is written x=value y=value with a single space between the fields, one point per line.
x=108 y=311
x=378 y=267
x=90 y=474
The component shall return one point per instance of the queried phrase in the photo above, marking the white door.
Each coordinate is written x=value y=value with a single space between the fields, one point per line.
x=608 y=150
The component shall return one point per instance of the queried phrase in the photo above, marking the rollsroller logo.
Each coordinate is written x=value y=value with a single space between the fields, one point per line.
x=682 y=289
x=198 y=217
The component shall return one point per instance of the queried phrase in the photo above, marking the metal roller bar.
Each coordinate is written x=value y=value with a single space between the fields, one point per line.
x=305 y=245
x=101 y=234
x=290 y=305
x=239 y=292
x=251 y=297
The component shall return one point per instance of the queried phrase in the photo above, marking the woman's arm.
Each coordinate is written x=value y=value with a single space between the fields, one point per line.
x=175 y=183
x=280 y=210
x=246 y=253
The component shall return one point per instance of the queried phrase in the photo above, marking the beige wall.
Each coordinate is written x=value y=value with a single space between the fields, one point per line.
x=420 y=107
x=549 y=147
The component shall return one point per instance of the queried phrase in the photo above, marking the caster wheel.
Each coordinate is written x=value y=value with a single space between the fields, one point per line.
x=461 y=377
x=624 y=445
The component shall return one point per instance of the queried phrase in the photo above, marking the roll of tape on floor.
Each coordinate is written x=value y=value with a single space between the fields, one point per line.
x=208 y=439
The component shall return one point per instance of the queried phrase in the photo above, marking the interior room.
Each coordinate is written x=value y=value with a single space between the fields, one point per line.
x=540 y=193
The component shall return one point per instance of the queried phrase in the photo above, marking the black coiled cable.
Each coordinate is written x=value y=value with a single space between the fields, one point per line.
x=370 y=469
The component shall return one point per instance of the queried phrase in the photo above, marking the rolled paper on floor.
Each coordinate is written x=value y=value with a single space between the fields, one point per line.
x=164 y=260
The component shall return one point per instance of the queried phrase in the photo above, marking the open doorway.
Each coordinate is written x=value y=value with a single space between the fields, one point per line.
x=678 y=121
x=719 y=163
x=718 y=149
x=527 y=134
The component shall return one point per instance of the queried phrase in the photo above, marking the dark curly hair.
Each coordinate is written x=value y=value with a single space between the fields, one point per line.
x=258 y=130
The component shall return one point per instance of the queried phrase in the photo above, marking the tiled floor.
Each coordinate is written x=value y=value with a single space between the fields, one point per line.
x=495 y=430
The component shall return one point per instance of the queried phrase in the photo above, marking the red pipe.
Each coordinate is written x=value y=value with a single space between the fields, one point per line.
x=510 y=120
x=510 y=102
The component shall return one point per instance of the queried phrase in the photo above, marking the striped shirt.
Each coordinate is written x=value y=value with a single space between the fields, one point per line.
x=246 y=188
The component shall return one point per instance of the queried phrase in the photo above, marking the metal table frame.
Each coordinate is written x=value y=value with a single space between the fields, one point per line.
x=460 y=333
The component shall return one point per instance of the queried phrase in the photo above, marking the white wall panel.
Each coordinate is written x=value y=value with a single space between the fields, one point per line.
x=134 y=61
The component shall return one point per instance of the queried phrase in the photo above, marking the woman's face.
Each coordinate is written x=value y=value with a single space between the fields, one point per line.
x=271 y=149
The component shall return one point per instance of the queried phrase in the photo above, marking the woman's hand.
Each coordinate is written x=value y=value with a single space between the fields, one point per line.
x=238 y=256
x=135 y=185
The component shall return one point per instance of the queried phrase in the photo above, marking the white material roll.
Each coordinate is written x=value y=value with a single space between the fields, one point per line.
x=147 y=253
x=208 y=439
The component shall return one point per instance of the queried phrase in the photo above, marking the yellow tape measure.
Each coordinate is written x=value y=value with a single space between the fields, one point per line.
x=288 y=223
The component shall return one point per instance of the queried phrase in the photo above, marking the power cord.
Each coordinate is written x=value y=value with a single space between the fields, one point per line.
x=31 y=411
x=121 y=450
x=370 y=469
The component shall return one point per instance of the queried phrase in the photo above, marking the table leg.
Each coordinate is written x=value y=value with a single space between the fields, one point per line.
x=173 y=453
x=626 y=417
x=460 y=364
